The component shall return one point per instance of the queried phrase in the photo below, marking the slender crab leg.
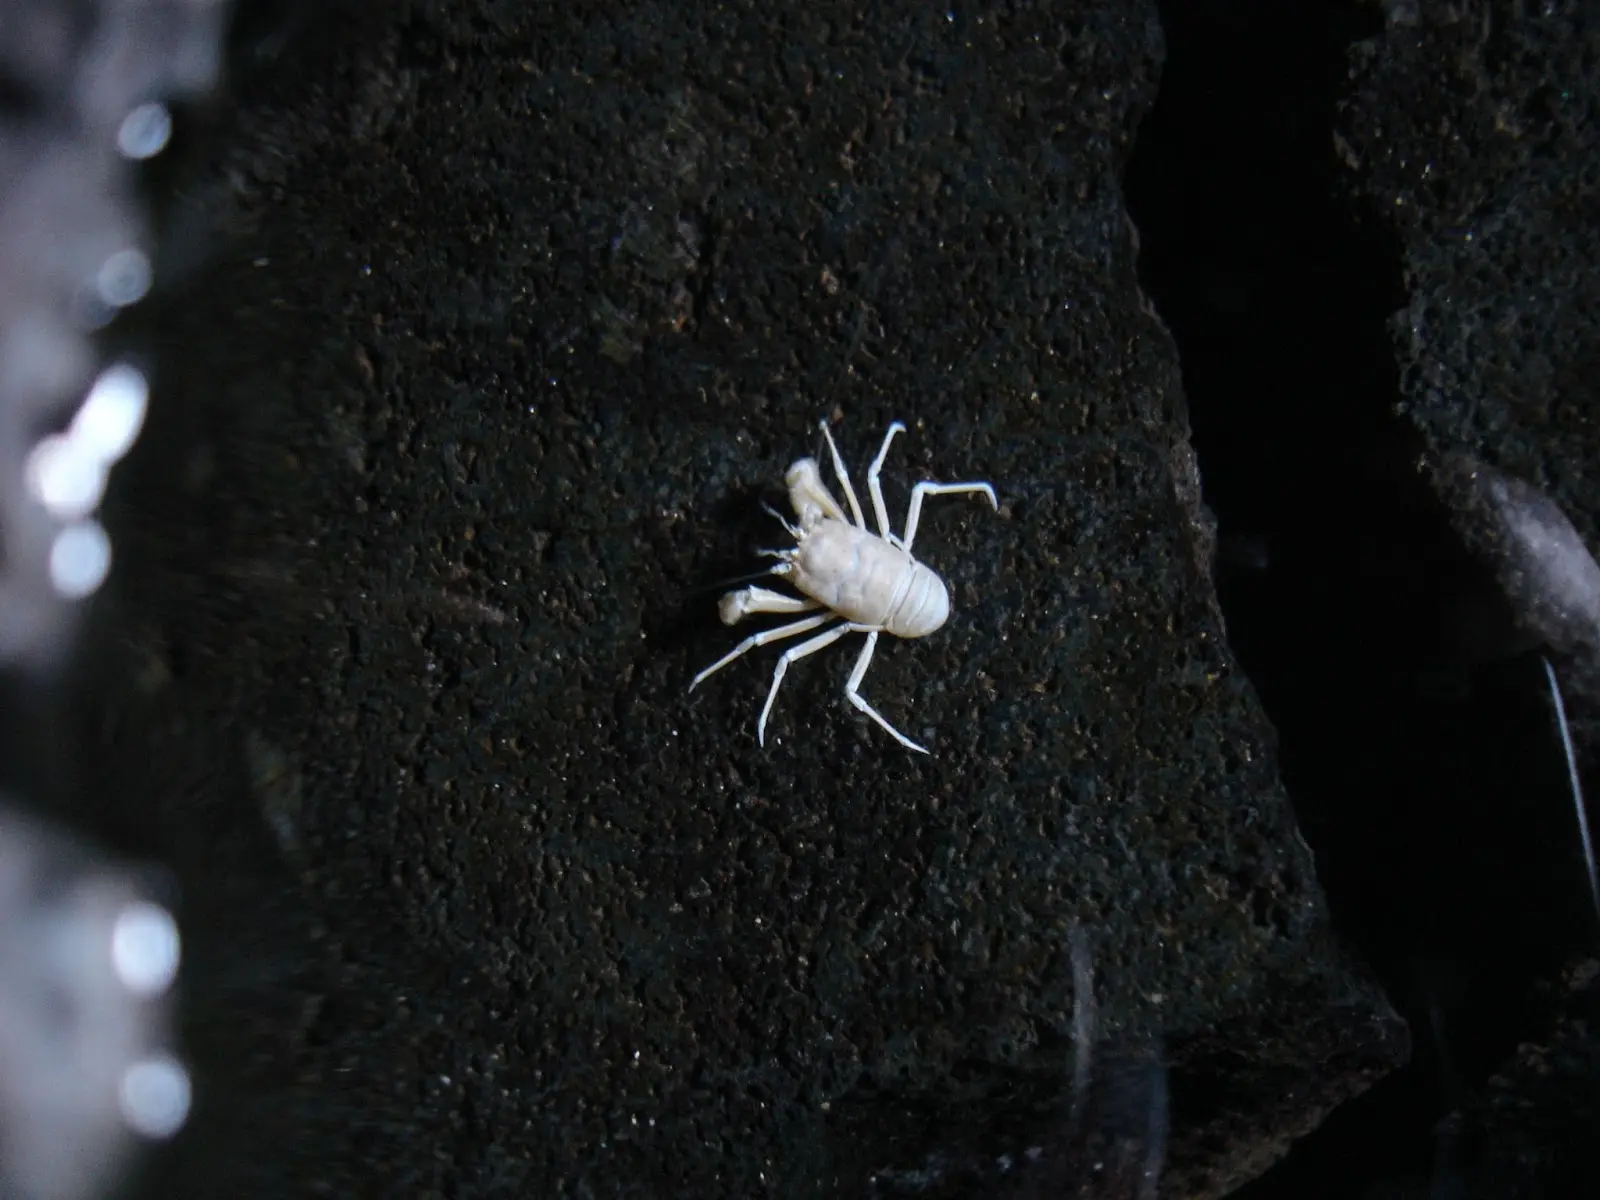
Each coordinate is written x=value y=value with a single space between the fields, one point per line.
x=852 y=694
x=844 y=478
x=875 y=486
x=821 y=642
x=926 y=488
x=793 y=629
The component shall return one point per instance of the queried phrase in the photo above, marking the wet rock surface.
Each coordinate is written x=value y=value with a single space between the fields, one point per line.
x=517 y=320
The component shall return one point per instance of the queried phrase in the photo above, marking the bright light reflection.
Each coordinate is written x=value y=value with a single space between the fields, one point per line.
x=124 y=278
x=154 y=1096
x=62 y=478
x=144 y=132
x=113 y=413
x=80 y=558
x=145 y=948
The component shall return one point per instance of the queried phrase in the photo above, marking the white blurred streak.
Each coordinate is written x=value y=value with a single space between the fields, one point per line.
x=66 y=473
x=1082 y=1018
x=100 y=80
x=1576 y=786
x=87 y=962
x=112 y=414
x=1155 y=1154
x=84 y=1061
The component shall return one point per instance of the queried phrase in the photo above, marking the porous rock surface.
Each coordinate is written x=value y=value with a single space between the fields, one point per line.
x=517 y=315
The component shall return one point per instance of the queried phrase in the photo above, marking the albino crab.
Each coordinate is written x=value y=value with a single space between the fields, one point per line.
x=868 y=582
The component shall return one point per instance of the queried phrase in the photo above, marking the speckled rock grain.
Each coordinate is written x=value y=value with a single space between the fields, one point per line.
x=526 y=312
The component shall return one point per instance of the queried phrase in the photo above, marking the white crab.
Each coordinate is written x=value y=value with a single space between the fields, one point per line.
x=868 y=581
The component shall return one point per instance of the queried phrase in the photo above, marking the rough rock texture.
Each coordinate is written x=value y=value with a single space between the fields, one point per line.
x=522 y=314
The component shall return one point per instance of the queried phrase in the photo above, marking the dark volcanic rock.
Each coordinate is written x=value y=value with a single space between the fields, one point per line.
x=1468 y=136
x=528 y=310
x=1470 y=128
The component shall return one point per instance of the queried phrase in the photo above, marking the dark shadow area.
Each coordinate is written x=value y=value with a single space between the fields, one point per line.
x=1417 y=738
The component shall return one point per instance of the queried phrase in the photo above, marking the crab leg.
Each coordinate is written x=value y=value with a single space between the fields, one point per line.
x=852 y=694
x=735 y=606
x=821 y=642
x=926 y=488
x=844 y=478
x=793 y=629
x=875 y=487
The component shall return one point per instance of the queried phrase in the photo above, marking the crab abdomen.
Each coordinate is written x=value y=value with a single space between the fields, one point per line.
x=865 y=579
